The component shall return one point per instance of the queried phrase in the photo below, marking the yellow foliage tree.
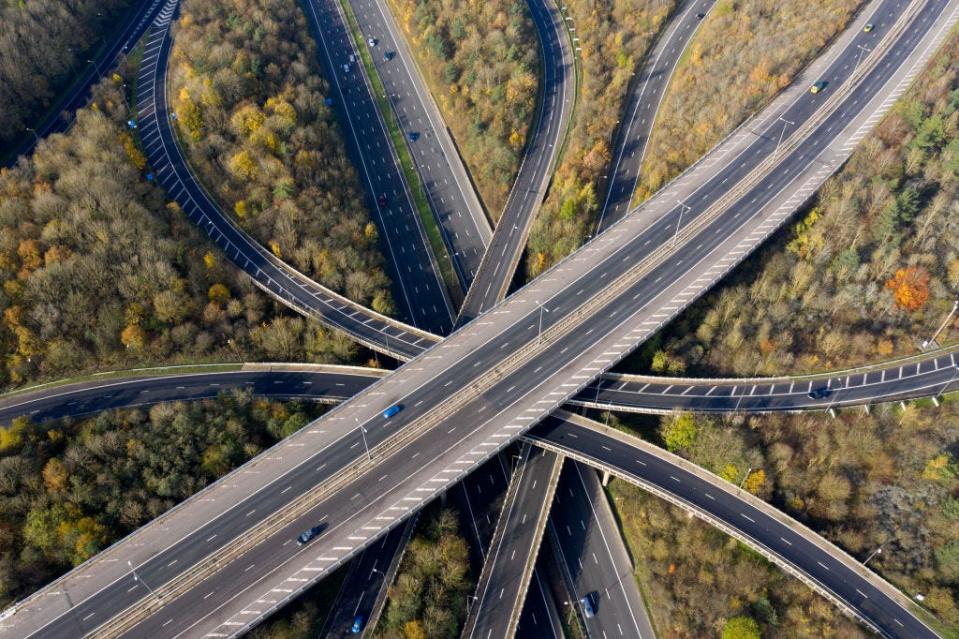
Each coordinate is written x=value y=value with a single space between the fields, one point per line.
x=55 y=475
x=414 y=630
x=242 y=165
x=755 y=481
x=133 y=337
x=218 y=293
x=910 y=287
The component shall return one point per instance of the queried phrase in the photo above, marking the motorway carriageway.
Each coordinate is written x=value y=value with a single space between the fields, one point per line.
x=455 y=205
x=443 y=449
x=555 y=109
x=57 y=121
x=920 y=377
x=629 y=149
x=439 y=449
x=784 y=541
x=267 y=272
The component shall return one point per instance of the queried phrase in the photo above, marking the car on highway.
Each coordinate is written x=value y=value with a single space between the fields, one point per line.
x=588 y=609
x=309 y=534
x=392 y=410
x=381 y=200
x=388 y=55
x=869 y=27
x=371 y=42
x=346 y=68
x=820 y=393
x=413 y=136
x=357 y=626
x=819 y=86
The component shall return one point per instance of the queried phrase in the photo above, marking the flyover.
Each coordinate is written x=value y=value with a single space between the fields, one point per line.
x=927 y=375
x=719 y=503
x=544 y=350
x=502 y=253
x=475 y=391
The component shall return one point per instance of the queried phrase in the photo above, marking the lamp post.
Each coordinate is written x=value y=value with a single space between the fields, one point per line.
x=136 y=578
x=682 y=209
x=362 y=430
x=539 y=334
x=862 y=49
x=782 y=134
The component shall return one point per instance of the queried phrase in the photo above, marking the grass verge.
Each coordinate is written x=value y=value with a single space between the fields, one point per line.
x=420 y=201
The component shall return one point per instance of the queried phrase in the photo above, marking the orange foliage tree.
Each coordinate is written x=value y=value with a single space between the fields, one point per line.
x=910 y=287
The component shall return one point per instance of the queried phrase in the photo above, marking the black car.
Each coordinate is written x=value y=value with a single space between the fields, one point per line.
x=820 y=393
x=381 y=200
x=308 y=534
x=387 y=56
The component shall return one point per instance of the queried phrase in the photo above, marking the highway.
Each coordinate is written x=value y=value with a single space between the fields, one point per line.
x=136 y=23
x=781 y=539
x=422 y=296
x=594 y=559
x=270 y=274
x=462 y=221
x=364 y=590
x=501 y=590
x=498 y=265
x=646 y=95
x=418 y=430
x=522 y=384
x=922 y=376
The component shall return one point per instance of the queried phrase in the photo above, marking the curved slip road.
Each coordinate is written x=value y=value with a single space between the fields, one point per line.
x=909 y=378
x=645 y=98
x=495 y=271
x=502 y=363
x=270 y=274
x=796 y=549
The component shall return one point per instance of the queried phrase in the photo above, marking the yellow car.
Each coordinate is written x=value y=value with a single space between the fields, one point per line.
x=819 y=86
x=869 y=27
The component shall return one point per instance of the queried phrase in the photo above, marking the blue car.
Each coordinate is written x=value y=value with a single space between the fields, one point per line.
x=392 y=410
x=309 y=534
x=357 y=625
x=413 y=136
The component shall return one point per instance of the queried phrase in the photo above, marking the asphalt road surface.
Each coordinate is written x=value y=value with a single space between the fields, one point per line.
x=595 y=560
x=646 y=96
x=266 y=271
x=922 y=377
x=557 y=94
x=502 y=587
x=517 y=372
x=455 y=205
x=778 y=536
x=136 y=23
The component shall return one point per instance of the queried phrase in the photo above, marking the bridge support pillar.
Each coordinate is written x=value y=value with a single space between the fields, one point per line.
x=605 y=478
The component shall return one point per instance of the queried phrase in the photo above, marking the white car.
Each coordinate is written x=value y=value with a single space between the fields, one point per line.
x=371 y=42
x=346 y=68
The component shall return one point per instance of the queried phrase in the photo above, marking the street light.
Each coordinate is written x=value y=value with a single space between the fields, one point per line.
x=138 y=580
x=539 y=335
x=955 y=305
x=96 y=68
x=746 y=476
x=783 y=133
x=862 y=49
x=682 y=209
x=34 y=132
x=877 y=551
x=369 y=457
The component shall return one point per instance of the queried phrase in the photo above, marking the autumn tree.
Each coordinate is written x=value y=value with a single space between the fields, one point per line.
x=910 y=287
